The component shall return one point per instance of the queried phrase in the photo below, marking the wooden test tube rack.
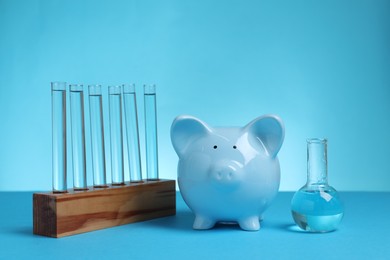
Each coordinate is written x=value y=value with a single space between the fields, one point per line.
x=64 y=214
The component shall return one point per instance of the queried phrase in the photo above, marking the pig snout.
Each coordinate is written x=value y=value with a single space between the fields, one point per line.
x=226 y=172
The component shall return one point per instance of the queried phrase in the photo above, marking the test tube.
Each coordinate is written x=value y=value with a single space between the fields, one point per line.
x=58 y=108
x=131 y=121
x=78 y=136
x=117 y=167
x=97 y=136
x=151 y=132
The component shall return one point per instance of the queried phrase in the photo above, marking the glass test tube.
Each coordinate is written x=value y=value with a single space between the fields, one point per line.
x=151 y=132
x=58 y=108
x=78 y=137
x=117 y=166
x=97 y=136
x=131 y=120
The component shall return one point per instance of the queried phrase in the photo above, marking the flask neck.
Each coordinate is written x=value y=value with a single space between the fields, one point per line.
x=317 y=162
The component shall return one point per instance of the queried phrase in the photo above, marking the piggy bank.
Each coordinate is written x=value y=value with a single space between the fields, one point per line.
x=228 y=174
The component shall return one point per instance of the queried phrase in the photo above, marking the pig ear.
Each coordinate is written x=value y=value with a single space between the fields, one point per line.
x=269 y=131
x=184 y=130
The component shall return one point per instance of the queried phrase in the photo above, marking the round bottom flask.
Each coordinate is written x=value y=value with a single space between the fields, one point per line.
x=316 y=207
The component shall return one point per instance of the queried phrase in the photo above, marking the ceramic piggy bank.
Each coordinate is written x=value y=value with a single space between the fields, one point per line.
x=228 y=174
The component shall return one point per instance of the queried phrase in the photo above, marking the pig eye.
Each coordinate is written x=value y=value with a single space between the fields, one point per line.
x=215 y=147
x=234 y=147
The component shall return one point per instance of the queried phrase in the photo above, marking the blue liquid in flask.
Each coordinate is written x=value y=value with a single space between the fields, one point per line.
x=317 y=207
x=317 y=210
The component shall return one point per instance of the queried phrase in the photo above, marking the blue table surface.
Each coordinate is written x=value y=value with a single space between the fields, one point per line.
x=363 y=234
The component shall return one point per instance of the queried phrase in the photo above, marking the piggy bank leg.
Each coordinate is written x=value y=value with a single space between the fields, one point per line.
x=250 y=223
x=202 y=222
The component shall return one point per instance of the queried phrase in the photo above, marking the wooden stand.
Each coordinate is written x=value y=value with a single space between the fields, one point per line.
x=58 y=215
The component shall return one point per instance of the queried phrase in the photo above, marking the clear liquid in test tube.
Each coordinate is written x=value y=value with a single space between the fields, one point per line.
x=132 y=133
x=97 y=136
x=151 y=132
x=59 y=157
x=117 y=164
x=78 y=137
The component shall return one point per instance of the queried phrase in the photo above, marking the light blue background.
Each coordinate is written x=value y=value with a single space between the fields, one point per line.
x=322 y=66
